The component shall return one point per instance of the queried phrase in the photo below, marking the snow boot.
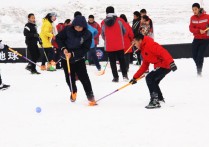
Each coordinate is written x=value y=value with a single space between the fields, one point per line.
x=35 y=72
x=91 y=99
x=4 y=87
x=28 y=67
x=153 y=104
x=115 y=80
x=43 y=67
x=73 y=96
x=126 y=79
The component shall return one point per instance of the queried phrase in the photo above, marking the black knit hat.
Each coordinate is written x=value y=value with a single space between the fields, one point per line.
x=196 y=5
x=77 y=13
x=110 y=9
x=80 y=21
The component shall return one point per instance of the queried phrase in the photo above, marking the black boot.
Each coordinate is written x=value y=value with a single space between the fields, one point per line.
x=35 y=72
x=28 y=67
x=115 y=80
x=154 y=102
x=4 y=86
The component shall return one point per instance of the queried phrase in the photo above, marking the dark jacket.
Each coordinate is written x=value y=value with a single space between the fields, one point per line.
x=136 y=26
x=31 y=34
x=77 y=43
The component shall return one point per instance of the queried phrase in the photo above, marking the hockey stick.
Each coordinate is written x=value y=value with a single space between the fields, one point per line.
x=69 y=73
x=206 y=29
x=15 y=52
x=129 y=48
x=118 y=89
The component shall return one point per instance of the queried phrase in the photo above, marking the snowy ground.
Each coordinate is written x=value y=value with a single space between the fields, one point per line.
x=120 y=120
x=171 y=18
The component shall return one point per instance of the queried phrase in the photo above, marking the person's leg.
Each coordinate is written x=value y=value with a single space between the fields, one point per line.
x=50 y=54
x=81 y=71
x=43 y=56
x=95 y=58
x=200 y=55
x=154 y=78
x=195 y=48
x=34 y=53
x=112 y=59
x=120 y=56
x=72 y=68
x=127 y=60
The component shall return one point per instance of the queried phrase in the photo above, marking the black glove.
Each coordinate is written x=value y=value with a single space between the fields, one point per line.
x=173 y=66
x=133 y=81
x=36 y=35
x=6 y=47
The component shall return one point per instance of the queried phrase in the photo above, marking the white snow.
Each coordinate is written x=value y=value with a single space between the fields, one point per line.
x=171 y=18
x=119 y=120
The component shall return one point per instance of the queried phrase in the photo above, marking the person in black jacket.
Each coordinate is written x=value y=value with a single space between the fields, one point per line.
x=3 y=86
x=136 y=30
x=31 y=40
x=74 y=42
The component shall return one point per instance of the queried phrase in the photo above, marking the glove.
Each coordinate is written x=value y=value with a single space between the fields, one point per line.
x=173 y=66
x=36 y=35
x=133 y=81
x=6 y=47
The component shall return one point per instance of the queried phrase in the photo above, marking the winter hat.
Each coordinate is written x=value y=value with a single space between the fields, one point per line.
x=77 y=13
x=110 y=9
x=196 y=5
x=80 y=21
x=53 y=14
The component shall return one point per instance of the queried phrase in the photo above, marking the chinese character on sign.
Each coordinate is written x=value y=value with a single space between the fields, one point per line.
x=12 y=56
x=2 y=56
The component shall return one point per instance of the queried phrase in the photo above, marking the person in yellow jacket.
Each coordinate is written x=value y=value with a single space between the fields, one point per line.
x=47 y=34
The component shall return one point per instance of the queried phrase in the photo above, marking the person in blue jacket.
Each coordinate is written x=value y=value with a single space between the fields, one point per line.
x=92 y=53
x=75 y=41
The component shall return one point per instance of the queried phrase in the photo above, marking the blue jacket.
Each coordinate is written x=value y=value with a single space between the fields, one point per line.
x=77 y=43
x=94 y=32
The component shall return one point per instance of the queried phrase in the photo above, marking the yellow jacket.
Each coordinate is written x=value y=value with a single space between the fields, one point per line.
x=46 y=33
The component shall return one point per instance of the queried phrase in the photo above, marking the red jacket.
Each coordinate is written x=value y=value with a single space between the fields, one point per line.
x=198 y=23
x=154 y=53
x=113 y=31
x=59 y=27
x=128 y=38
x=96 y=26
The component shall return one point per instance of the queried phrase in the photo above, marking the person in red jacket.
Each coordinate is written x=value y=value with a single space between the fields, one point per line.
x=113 y=31
x=128 y=38
x=198 y=24
x=153 y=53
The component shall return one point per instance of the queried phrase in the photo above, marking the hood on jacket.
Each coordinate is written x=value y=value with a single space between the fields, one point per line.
x=110 y=19
x=80 y=21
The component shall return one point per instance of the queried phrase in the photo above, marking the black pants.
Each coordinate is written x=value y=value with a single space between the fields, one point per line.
x=49 y=53
x=199 y=47
x=113 y=56
x=78 y=68
x=127 y=60
x=57 y=56
x=34 y=53
x=138 y=53
x=0 y=80
x=91 y=55
x=153 y=79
